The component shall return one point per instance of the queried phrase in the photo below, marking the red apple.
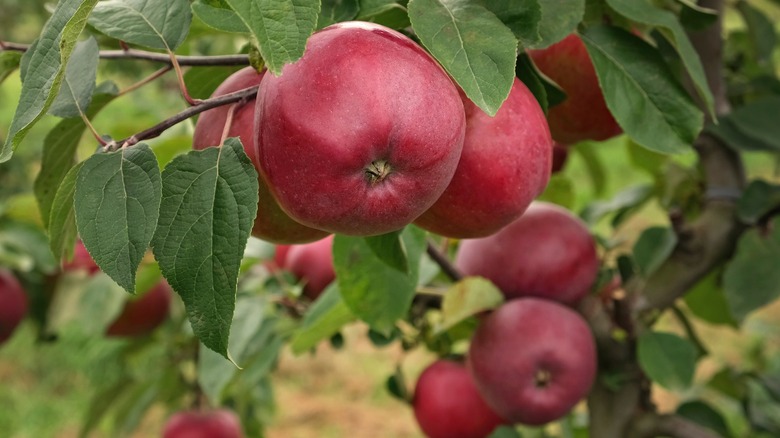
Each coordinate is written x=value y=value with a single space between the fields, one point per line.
x=81 y=260
x=312 y=263
x=271 y=224
x=584 y=114
x=13 y=304
x=142 y=314
x=220 y=423
x=560 y=155
x=448 y=405
x=547 y=252
x=533 y=360
x=362 y=134
x=505 y=164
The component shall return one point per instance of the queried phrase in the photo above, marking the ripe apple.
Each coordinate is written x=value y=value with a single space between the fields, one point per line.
x=533 y=360
x=81 y=260
x=560 y=155
x=13 y=304
x=220 y=423
x=312 y=263
x=505 y=164
x=142 y=314
x=271 y=224
x=362 y=134
x=584 y=114
x=447 y=404
x=547 y=252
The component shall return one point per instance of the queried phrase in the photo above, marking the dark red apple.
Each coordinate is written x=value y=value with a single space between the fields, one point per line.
x=142 y=314
x=13 y=304
x=313 y=264
x=560 y=155
x=271 y=224
x=547 y=252
x=505 y=164
x=447 y=404
x=220 y=423
x=533 y=360
x=81 y=260
x=362 y=134
x=584 y=114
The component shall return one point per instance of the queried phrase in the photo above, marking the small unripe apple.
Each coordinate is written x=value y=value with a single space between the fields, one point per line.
x=560 y=155
x=447 y=404
x=13 y=304
x=362 y=134
x=271 y=223
x=81 y=260
x=142 y=314
x=584 y=114
x=220 y=423
x=504 y=165
x=313 y=264
x=547 y=252
x=533 y=360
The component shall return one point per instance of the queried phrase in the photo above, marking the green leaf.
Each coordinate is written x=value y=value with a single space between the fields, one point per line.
x=560 y=190
x=396 y=386
x=760 y=30
x=466 y=298
x=281 y=27
x=334 y=11
x=505 y=431
x=627 y=199
x=62 y=219
x=323 y=319
x=79 y=81
x=9 y=61
x=521 y=16
x=645 y=159
x=209 y=204
x=643 y=11
x=559 y=19
x=707 y=301
x=45 y=67
x=759 y=198
x=730 y=383
x=758 y=122
x=218 y=15
x=654 y=246
x=546 y=92
x=752 y=279
x=374 y=291
x=29 y=241
x=667 y=359
x=153 y=24
x=101 y=403
x=695 y=17
x=703 y=414
x=385 y=12
x=472 y=44
x=117 y=203
x=763 y=411
x=389 y=249
x=640 y=91
x=91 y=305
x=593 y=164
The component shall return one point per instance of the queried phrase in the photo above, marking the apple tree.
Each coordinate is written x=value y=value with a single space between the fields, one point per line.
x=403 y=164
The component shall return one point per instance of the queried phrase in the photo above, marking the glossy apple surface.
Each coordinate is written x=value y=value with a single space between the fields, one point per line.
x=143 y=314
x=220 y=423
x=13 y=304
x=584 y=114
x=547 y=252
x=504 y=165
x=313 y=264
x=533 y=360
x=447 y=405
x=272 y=224
x=362 y=134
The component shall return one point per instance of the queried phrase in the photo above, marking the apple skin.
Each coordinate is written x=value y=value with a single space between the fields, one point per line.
x=533 y=360
x=547 y=252
x=362 y=134
x=271 y=224
x=504 y=165
x=220 y=423
x=312 y=263
x=584 y=114
x=447 y=404
x=13 y=304
x=560 y=155
x=81 y=260
x=143 y=314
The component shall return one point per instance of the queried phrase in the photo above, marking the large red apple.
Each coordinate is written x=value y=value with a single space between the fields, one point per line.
x=533 y=360
x=142 y=314
x=448 y=405
x=272 y=224
x=220 y=423
x=584 y=114
x=313 y=264
x=547 y=252
x=505 y=164
x=13 y=304
x=81 y=260
x=362 y=134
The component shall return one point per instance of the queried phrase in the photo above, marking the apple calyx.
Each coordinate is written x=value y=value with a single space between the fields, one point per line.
x=377 y=171
x=542 y=378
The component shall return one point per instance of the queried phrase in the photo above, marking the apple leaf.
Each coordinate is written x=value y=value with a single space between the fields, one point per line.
x=707 y=301
x=546 y=92
x=466 y=298
x=701 y=413
x=9 y=61
x=218 y=15
x=667 y=359
x=625 y=200
x=208 y=207
x=760 y=30
x=117 y=202
x=389 y=248
x=91 y=303
x=322 y=320
x=374 y=291
x=28 y=244
x=695 y=17
x=751 y=279
x=62 y=218
x=653 y=247
x=153 y=24
x=641 y=92
x=281 y=27
x=472 y=44
x=752 y=126
x=522 y=17
x=559 y=19
x=79 y=81
x=505 y=432
x=334 y=11
x=559 y=190
x=759 y=198
x=643 y=11
x=388 y=13
x=44 y=68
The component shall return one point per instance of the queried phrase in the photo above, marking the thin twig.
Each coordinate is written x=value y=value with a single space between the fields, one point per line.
x=180 y=79
x=689 y=330
x=444 y=263
x=145 y=81
x=228 y=123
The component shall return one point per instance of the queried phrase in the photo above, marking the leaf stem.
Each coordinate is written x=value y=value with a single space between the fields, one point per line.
x=145 y=81
x=180 y=78
x=92 y=129
x=444 y=263
x=228 y=123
